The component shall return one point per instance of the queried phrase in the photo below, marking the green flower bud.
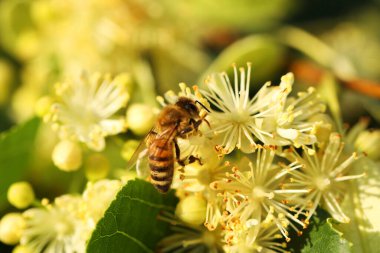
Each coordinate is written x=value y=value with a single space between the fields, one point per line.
x=140 y=118
x=67 y=155
x=11 y=227
x=20 y=195
x=192 y=209
x=369 y=143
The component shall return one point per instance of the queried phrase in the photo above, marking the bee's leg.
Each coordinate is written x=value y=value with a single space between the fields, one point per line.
x=178 y=154
x=186 y=130
x=197 y=123
x=193 y=124
x=208 y=123
x=192 y=159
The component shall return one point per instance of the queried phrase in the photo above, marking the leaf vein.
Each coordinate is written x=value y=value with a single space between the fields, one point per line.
x=135 y=240
x=158 y=206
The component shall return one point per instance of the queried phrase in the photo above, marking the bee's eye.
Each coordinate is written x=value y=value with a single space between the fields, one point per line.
x=188 y=105
x=191 y=107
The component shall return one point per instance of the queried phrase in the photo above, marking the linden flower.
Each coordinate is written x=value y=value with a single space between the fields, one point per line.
x=294 y=124
x=85 y=110
x=197 y=178
x=325 y=174
x=270 y=117
x=56 y=228
x=197 y=145
x=266 y=240
x=235 y=124
x=253 y=192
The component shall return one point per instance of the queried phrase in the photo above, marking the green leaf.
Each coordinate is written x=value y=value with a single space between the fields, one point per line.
x=363 y=207
x=266 y=55
x=130 y=224
x=320 y=237
x=238 y=15
x=324 y=238
x=186 y=63
x=16 y=147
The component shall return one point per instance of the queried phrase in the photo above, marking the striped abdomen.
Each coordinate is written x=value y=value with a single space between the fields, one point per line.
x=161 y=163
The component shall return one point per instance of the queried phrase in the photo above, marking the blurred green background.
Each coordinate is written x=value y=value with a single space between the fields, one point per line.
x=166 y=42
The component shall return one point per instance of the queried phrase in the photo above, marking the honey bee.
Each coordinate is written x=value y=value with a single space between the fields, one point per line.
x=174 y=121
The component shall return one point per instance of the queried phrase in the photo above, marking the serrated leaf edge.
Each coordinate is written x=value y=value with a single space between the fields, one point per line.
x=330 y=222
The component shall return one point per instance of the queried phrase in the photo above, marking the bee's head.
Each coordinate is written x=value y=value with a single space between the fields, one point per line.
x=188 y=105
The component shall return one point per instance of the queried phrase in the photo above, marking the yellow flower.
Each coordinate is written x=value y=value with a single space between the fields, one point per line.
x=267 y=239
x=271 y=117
x=56 y=228
x=85 y=110
x=324 y=172
x=253 y=192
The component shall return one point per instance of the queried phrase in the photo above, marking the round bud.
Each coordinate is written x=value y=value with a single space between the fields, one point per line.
x=369 y=143
x=67 y=155
x=11 y=227
x=140 y=118
x=192 y=209
x=20 y=194
x=96 y=167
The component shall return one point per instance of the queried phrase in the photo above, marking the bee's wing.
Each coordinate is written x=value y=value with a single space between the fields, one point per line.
x=142 y=164
x=139 y=159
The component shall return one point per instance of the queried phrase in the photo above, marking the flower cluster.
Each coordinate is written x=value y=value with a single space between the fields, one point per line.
x=263 y=165
x=65 y=225
x=240 y=166
x=281 y=169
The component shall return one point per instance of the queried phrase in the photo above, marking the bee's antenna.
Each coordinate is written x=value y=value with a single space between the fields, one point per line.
x=202 y=105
